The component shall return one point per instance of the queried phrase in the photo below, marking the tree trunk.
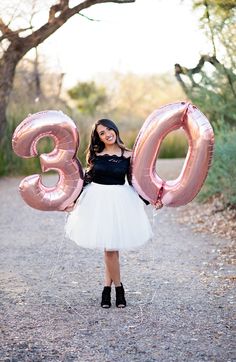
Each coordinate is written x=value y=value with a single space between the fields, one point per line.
x=7 y=71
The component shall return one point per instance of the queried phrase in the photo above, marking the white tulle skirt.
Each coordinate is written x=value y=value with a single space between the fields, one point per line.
x=110 y=217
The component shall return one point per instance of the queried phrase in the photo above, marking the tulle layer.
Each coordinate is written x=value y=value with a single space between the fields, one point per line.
x=110 y=217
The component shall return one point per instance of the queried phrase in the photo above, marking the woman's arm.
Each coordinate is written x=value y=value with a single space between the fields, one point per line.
x=129 y=179
x=88 y=178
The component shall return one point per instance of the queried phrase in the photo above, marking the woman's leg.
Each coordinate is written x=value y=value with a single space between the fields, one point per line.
x=107 y=279
x=112 y=274
x=112 y=268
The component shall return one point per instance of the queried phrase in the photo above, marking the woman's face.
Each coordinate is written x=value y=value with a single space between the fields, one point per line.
x=106 y=135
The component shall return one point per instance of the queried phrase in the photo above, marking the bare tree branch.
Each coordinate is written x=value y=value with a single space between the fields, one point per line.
x=55 y=9
x=210 y=26
x=58 y=17
x=6 y=31
x=85 y=16
x=190 y=71
x=9 y=34
x=20 y=45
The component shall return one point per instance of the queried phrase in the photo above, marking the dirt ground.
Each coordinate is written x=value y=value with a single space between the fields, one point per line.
x=179 y=290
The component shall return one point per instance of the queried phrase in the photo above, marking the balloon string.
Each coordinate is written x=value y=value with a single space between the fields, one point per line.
x=154 y=214
x=53 y=269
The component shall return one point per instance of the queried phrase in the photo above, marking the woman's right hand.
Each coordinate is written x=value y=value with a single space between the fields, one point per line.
x=69 y=207
x=158 y=205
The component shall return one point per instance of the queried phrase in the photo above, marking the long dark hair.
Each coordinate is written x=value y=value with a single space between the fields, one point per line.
x=96 y=145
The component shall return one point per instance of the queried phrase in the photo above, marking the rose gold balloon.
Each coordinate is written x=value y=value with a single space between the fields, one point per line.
x=62 y=159
x=146 y=149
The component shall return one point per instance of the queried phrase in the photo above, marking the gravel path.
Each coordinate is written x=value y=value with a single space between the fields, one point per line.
x=179 y=296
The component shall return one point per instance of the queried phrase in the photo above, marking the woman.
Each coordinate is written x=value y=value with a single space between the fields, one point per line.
x=108 y=214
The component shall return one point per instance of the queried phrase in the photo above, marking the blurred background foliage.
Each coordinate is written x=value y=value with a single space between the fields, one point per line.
x=129 y=98
x=211 y=86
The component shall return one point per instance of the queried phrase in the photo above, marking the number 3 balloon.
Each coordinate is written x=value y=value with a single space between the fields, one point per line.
x=201 y=141
x=63 y=131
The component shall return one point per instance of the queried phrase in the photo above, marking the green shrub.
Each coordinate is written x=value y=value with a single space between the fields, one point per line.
x=221 y=179
x=174 y=145
x=10 y=163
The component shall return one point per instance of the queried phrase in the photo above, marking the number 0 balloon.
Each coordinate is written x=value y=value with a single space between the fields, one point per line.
x=201 y=140
x=63 y=131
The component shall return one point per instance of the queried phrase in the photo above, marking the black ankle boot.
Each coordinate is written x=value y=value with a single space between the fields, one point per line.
x=120 y=297
x=106 y=297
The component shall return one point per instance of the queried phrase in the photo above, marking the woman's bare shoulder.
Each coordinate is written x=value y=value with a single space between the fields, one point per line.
x=100 y=154
x=127 y=153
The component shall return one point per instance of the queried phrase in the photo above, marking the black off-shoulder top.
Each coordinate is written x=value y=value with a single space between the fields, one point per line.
x=108 y=170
